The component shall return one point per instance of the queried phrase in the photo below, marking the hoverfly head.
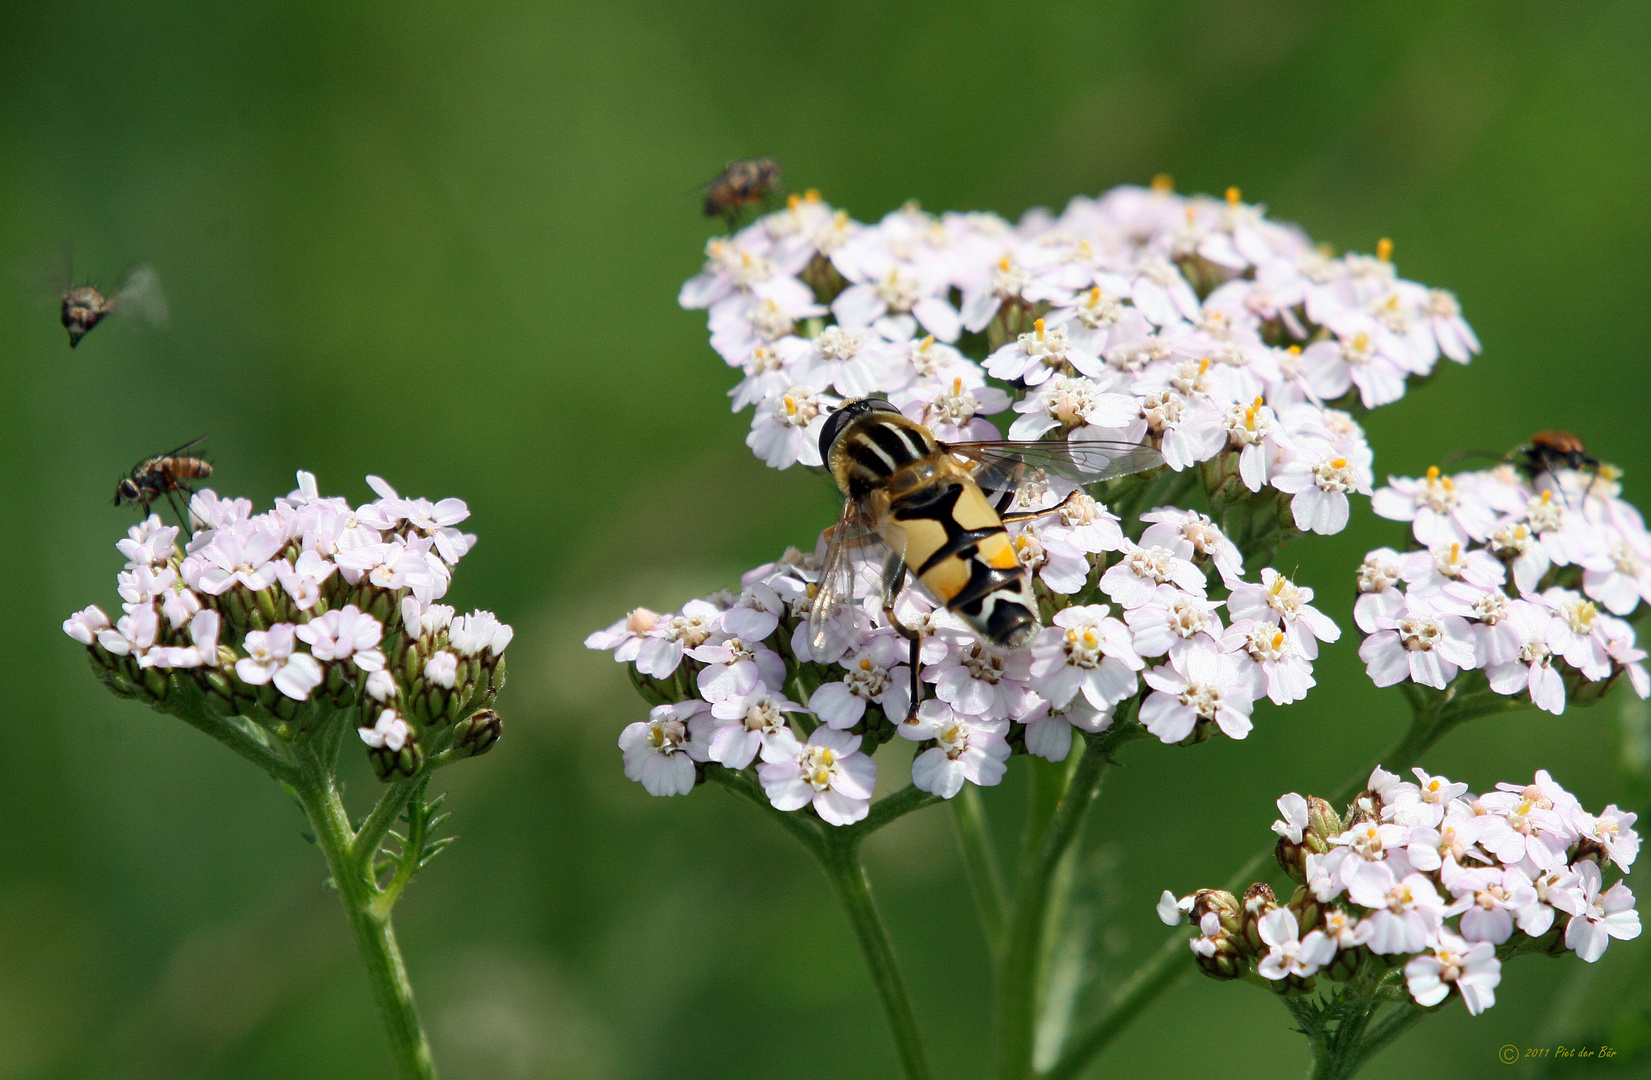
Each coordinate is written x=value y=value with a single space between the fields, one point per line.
x=846 y=413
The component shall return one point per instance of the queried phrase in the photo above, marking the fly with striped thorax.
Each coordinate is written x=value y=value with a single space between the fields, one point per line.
x=922 y=505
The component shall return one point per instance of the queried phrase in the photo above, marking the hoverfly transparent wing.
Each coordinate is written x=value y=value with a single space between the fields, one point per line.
x=1003 y=464
x=832 y=614
x=190 y=445
x=142 y=295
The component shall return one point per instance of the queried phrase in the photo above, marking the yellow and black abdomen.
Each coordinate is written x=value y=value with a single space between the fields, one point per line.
x=958 y=548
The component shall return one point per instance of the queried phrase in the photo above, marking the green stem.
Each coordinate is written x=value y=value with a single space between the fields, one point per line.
x=840 y=857
x=974 y=837
x=1023 y=936
x=365 y=846
x=1375 y=1039
x=1168 y=962
x=374 y=935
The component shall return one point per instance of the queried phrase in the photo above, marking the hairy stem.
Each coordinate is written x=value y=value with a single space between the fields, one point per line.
x=1375 y=1038
x=374 y=935
x=840 y=857
x=974 y=837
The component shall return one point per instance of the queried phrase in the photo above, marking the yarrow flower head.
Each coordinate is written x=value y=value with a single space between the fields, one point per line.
x=311 y=608
x=1379 y=896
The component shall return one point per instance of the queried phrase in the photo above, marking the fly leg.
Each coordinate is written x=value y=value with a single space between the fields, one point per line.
x=894 y=580
x=1012 y=519
x=183 y=518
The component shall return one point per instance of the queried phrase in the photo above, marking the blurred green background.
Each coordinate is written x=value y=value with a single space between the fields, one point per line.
x=442 y=243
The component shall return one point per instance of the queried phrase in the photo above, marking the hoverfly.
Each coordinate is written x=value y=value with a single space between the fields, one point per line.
x=924 y=502
x=84 y=306
x=164 y=475
x=738 y=185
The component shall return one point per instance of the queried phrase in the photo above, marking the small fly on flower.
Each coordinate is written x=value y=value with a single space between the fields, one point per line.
x=1551 y=450
x=84 y=306
x=739 y=185
x=164 y=475
x=923 y=503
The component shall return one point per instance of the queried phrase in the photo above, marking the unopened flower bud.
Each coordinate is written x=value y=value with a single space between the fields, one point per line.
x=1258 y=901
x=388 y=764
x=1305 y=830
x=1223 y=904
x=475 y=734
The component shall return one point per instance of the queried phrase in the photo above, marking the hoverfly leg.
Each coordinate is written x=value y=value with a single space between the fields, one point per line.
x=183 y=518
x=1015 y=519
x=894 y=579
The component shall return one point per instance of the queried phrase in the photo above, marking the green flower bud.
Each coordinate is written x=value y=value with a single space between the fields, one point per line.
x=1258 y=901
x=388 y=764
x=1322 y=824
x=475 y=734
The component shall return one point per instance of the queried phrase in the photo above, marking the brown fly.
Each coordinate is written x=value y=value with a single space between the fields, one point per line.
x=739 y=185
x=84 y=306
x=164 y=476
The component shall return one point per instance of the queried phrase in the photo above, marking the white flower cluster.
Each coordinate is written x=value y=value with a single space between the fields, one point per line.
x=269 y=607
x=1193 y=323
x=1495 y=585
x=1418 y=857
x=726 y=663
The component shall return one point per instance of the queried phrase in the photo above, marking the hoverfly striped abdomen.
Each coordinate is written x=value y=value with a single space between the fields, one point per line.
x=927 y=507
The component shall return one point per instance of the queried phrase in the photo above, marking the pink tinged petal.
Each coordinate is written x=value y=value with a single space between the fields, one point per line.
x=933 y=771
x=785 y=789
x=835 y=808
x=658 y=657
x=1422 y=977
x=856 y=776
x=666 y=774
x=1049 y=738
x=1429 y=669
x=1233 y=724
x=1165 y=717
x=299 y=675
x=252 y=672
x=1536 y=919
x=1586 y=938
x=836 y=705
x=938 y=318
x=1109 y=683
x=734 y=746
x=1385 y=658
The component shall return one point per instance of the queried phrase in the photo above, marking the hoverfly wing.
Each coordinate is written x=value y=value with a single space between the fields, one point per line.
x=1001 y=464
x=832 y=614
x=142 y=295
x=190 y=445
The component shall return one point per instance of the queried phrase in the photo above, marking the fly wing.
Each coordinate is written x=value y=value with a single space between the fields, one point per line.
x=1005 y=464
x=832 y=615
x=142 y=295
